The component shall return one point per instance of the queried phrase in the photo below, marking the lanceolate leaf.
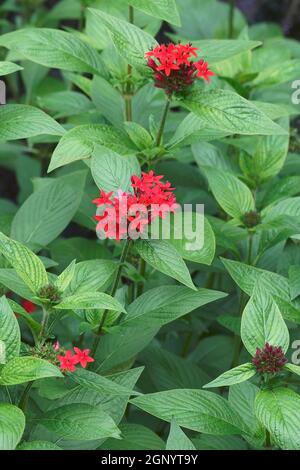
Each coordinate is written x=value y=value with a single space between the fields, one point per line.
x=177 y=440
x=9 y=331
x=161 y=255
x=27 y=265
x=102 y=385
x=8 y=67
x=166 y=303
x=19 y=121
x=193 y=409
x=12 y=425
x=218 y=110
x=79 y=143
x=233 y=376
x=262 y=323
x=54 y=48
x=164 y=9
x=47 y=212
x=279 y=411
x=25 y=369
x=81 y=422
x=130 y=41
x=231 y=193
x=90 y=300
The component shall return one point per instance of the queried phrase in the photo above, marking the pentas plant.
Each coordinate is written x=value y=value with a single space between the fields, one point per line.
x=119 y=141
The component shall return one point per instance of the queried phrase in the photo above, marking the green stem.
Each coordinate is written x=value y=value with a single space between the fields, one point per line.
x=268 y=444
x=162 y=123
x=231 y=18
x=43 y=332
x=142 y=271
x=112 y=293
x=25 y=396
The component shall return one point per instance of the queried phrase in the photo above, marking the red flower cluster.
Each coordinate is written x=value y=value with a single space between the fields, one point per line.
x=69 y=360
x=270 y=359
x=128 y=213
x=173 y=69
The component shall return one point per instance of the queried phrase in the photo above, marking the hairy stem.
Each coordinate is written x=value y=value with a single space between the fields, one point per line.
x=45 y=320
x=112 y=293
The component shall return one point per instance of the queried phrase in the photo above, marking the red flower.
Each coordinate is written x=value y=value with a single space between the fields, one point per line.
x=68 y=361
x=82 y=357
x=28 y=306
x=173 y=69
x=270 y=359
x=151 y=198
x=104 y=198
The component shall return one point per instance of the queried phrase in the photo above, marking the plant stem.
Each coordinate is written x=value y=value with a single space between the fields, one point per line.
x=128 y=90
x=44 y=325
x=162 y=123
x=231 y=18
x=142 y=270
x=268 y=444
x=25 y=396
x=112 y=293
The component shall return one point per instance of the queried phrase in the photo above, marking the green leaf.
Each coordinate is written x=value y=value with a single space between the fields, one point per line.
x=79 y=144
x=38 y=445
x=8 y=67
x=54 y=49
x=102 y=385
x=9 y=331
x=163 y=9
x=216 y=51
x=111 y=171
x=109 y=102
x=135 y=437
x=195 y=239
x=242 y=399
x=246 y=277
x=139 y=135
x=10 y=279
x=25 y=369
x=177 y=440
x=90 y=300
x=64 y=279
x=92 y=275
x=80 y=421
x=33 y=324
x=12 y=425
x=19 y=121
x=292 y=368
x=164 y=304
x=229 y=112
x=232 y=194
x=280 y=73
x=193 y=409
x=161 y=255
x=279 y=411
x=27 y=265
x=130 y=41
x=48 y=211
x=294 y=277
x=233 y=376
x=262 y=323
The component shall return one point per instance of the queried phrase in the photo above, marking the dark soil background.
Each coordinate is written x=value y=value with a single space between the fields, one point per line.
x=284 y=12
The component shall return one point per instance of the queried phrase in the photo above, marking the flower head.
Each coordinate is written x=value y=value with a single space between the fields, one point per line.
x=150 y=198
x=270 y=359
x=82 y=357
x=68 y=361
x=173 y=68
x=30 y=307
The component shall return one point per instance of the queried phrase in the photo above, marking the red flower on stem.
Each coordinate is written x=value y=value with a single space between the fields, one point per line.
x=68 y=361
x=151 y=198
x=173 y=68
x=83 y=357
